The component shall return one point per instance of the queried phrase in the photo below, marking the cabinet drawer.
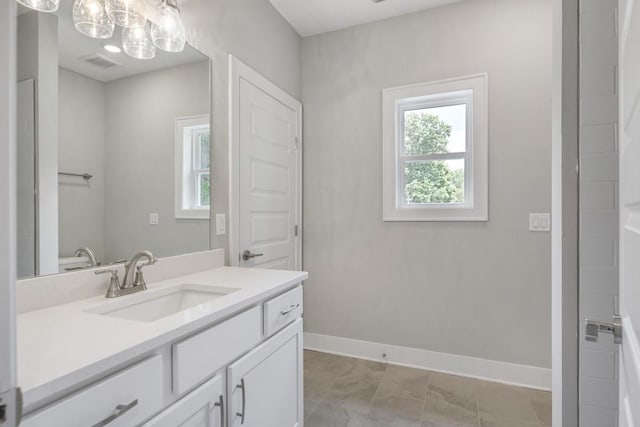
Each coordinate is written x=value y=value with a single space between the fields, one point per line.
x=282 y=310
x=127 y=398
x=200 y=356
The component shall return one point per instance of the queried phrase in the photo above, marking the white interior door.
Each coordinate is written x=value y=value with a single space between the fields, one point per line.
x=8 y=395
x=266 y=158
x=630 y=213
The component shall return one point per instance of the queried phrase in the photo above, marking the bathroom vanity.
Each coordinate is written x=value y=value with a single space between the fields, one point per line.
x=220 y=347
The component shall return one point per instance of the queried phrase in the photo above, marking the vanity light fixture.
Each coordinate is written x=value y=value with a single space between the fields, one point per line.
x=111 y=48
x=41 y=5
x=167 y=30
x=91 y=19
x=127 y=13
x=137 y=43
x=98 y=18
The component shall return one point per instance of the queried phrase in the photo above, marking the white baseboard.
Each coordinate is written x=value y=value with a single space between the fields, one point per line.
x=484 y=369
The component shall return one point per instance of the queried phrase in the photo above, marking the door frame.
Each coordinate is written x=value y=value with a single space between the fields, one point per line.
x=8 y=266
x=238 y=70
x=564 y=213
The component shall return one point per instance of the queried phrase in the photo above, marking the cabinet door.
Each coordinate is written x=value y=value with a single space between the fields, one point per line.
x=203 y=407
x=265 y=386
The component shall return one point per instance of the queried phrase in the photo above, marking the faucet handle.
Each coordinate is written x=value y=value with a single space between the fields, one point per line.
x=138 y=279
x=114 y=282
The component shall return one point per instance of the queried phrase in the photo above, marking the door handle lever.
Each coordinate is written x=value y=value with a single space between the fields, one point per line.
x=593 y=328
x=247 y=255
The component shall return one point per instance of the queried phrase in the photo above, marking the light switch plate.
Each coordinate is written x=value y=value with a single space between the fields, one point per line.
x=539 y=222
x=221 y=226
x=154 y=218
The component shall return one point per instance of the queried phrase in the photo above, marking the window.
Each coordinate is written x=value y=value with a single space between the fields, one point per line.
x=435 y=151
x=192 y=173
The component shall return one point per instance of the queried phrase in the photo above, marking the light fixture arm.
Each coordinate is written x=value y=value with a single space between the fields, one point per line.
x=171 y=3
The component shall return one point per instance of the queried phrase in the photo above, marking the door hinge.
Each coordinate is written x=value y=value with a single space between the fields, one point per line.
x=593 y=328
x=295 y=230
x=296 y=143
x=11 y=408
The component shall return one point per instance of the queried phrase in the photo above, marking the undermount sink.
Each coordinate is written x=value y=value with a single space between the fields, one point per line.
x=162 y=303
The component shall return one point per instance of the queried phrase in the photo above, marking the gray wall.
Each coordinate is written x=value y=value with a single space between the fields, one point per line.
x=82 y=126
x=598 y=208
x=254 y=32
x=474 y=289
x=141 y=113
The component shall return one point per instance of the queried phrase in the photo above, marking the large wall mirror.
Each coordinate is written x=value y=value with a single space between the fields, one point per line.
x=113 y=151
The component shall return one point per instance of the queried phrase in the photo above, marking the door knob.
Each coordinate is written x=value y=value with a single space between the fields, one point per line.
x=247 y=255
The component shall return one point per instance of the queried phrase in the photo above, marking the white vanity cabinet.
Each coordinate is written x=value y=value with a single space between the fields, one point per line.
x=243 y=370
x=265 y=386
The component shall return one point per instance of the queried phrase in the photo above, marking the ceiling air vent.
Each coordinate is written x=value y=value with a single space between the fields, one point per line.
x=99 y=61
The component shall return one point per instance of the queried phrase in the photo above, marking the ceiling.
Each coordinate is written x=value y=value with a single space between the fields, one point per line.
x=310 y=17
x=75 y=48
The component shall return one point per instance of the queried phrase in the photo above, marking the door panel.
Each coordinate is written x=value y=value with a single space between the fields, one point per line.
x=267 y=178
x=630 y=213
x=266 y=163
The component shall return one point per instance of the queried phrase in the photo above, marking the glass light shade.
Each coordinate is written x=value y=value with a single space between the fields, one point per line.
x=127 y=13
x=137 y=44
x=91 y=19
x=41 y=5
x=167 y=30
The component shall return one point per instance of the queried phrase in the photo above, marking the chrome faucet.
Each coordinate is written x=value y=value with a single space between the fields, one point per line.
x=129 y=286
x=92 y=257
x=139 y=278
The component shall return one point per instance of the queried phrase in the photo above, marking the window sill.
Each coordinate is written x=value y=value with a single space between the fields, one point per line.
x=437 y=214
x=203 y=214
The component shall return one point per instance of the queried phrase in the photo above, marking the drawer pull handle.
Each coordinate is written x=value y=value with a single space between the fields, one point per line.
x=220 y=403
x=119 y=411
x=244 y=401
x=289 y=310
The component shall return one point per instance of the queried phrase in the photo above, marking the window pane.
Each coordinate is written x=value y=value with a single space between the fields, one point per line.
x=434 y=182
x=204 y=182
x=203 y=141
x=435 y=130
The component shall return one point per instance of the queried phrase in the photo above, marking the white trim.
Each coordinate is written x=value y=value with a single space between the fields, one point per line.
x=556 y=217
x=238 y=70
x=180 y=124
x=8 y=195
x=476 y=203
x=472 y=367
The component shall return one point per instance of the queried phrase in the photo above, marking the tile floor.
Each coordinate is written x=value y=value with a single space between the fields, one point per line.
x=347 y=392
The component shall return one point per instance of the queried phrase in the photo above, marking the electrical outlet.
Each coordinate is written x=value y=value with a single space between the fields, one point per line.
x=154 y=218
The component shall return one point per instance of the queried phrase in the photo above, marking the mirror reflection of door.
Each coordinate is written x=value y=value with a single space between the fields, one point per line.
x=26 y=218
x=99 y=141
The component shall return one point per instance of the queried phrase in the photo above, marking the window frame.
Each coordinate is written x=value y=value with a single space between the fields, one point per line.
x=470 y=91
x=186 y=175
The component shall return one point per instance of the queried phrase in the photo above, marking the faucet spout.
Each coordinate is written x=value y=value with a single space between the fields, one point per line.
x=90 y=255
x=128 y=281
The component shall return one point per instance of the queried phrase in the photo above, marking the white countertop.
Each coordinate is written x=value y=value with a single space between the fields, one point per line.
x=61 y=346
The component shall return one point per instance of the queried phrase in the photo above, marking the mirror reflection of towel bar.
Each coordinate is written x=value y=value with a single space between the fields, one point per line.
x=83 y=175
